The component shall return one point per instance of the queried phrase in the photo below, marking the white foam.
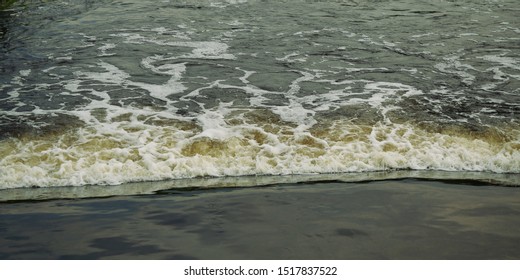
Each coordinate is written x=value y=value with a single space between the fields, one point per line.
x=63 y=58
x=121 y=144
x=453 y=65
x=226 y=3
x=107 y=46
x=505 y=61
x=247 y=74
x=25 y=73
x=111 y=155
x=214 y=125
x=289 y=58
x=200 y=49
x=429 y=34
x=295 y=113
x=114 y=75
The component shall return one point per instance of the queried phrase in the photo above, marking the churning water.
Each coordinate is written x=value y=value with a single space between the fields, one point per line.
x=114 y=91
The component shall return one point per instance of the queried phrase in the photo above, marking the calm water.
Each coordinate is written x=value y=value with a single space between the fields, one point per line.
x=407 y=219
x=109 y=92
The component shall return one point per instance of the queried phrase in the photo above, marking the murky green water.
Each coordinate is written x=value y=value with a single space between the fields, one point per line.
x=108 y=92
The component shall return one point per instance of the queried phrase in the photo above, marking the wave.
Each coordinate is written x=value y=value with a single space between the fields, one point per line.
x=252 y=142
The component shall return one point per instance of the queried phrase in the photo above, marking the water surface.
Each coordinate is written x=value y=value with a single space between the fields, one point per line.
x=115 y=91
x=406 y=219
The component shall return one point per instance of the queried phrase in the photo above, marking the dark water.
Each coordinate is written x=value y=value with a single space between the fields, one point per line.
x=323 y=103
x=107 y=92
x=408 y=219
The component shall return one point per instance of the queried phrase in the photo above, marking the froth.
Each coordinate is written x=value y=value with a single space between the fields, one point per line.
x=269 y=147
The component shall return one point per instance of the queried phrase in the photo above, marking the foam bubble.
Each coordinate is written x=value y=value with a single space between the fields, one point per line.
x=25 y=73
x=116 y=154
x=453 y=65
x=200 y=49
x=107 y=46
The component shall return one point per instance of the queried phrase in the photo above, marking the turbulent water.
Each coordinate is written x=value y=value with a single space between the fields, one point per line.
x=108 y=92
